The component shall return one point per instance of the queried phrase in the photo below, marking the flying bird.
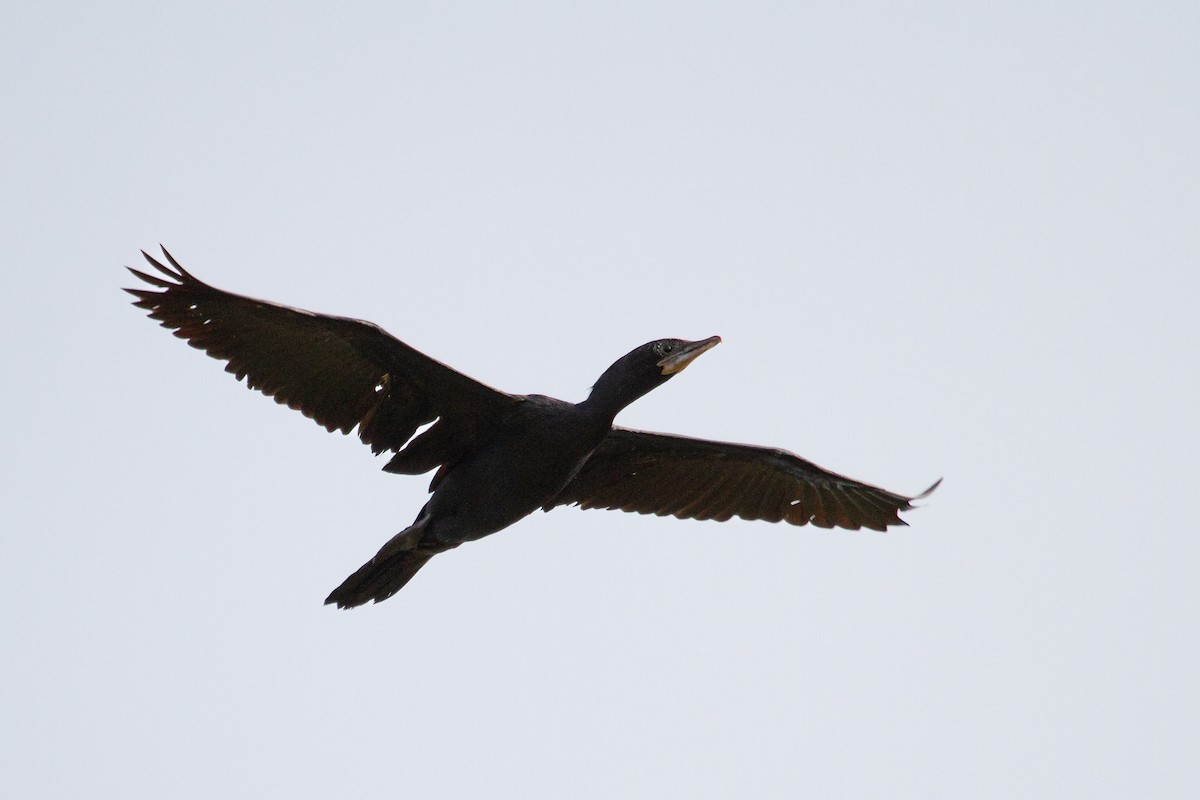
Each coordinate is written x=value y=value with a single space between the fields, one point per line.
x=498 y=457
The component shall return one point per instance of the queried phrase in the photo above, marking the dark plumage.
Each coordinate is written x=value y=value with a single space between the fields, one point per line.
x=498 y=456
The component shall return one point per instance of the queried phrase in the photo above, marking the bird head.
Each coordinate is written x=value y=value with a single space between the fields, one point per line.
x=645 y=368
x=675 y=354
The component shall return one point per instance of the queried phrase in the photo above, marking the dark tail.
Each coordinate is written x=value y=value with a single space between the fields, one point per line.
x=378 y=579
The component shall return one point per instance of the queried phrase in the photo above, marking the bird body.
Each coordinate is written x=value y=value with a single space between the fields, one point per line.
x=498 y=456
x=495 y=486
x=487 y=490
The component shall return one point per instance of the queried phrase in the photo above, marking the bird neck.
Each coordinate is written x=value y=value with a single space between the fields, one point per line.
x=609 y=397
x=598 y=412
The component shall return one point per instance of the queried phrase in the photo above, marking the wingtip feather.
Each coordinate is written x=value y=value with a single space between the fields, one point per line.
x=171 y=259
x=150 y=279
x=928 y=491
x=158 y=265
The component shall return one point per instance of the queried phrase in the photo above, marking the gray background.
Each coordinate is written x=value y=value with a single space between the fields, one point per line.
x=938 y=239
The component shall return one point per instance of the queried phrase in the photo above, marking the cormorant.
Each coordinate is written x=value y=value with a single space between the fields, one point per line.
x=499 y=457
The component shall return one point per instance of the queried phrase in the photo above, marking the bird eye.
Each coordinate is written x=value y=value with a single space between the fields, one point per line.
x=667 y=347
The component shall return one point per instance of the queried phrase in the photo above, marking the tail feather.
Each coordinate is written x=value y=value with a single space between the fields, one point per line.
x=379 y=578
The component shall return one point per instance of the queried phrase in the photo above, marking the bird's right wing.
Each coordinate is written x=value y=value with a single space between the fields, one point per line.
x=338 y=371
x=655 y=473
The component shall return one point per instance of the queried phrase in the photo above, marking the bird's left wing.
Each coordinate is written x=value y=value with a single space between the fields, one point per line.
x=655 y=473
x=338 y=371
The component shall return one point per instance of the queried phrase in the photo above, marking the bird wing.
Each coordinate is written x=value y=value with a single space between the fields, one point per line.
x=655 y=473
x=339 y=372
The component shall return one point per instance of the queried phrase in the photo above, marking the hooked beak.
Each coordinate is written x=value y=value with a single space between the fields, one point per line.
x=686 y=354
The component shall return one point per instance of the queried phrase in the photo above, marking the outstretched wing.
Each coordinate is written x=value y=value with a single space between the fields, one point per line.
x=340 y=372
x=655 y=473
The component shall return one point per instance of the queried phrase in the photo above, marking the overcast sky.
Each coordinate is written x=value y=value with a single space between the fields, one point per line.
x=937 y=239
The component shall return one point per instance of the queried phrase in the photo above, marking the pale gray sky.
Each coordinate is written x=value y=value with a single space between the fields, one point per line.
x=937 y=239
